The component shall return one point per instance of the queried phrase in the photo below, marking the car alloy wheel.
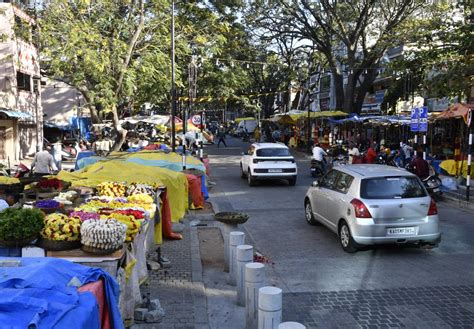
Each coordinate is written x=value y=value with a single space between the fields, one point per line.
x=309 y=213
x=347 y=242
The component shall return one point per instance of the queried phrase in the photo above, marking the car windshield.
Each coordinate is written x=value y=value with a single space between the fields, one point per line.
x=401 y=187
x=273 y=152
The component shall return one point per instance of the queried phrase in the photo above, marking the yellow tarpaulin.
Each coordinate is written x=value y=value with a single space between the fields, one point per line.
x=176 y=183
x=453 y=167
x=156 y=156
x=285 y=119
x=244 y=119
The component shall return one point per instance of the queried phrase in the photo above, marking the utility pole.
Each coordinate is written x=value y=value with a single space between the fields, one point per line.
x=173 y=86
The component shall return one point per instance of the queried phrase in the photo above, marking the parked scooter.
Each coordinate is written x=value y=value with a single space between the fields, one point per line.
x=433 y=186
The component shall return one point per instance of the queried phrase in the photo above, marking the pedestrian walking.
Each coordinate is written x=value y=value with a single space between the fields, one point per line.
x=43 y=162
x=221 y=136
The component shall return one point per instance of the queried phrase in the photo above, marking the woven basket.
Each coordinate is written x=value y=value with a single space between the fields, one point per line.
x=18 y=243
x=52 y=245
x=97 y=251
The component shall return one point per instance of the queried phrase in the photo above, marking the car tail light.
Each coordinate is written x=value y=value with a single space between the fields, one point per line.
x=360 y=209
x=433 y=208
x=255 y=161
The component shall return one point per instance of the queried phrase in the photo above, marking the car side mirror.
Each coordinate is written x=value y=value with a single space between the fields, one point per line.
x=315 y=183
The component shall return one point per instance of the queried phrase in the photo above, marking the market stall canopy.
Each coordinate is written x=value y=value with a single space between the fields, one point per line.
x=458 y=110
x=237 y=120
x=15 y=114
x=176 y=183
x=284 y=119
x=375 y=119
x=319 y=114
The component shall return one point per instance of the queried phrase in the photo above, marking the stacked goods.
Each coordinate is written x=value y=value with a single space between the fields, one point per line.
x=20 y=224
x=113 y=189
x=95 y=205
x=136 y=188
x=59 y=227
x=107 y=235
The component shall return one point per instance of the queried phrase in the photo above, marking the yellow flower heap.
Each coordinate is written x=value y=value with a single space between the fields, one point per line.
x=133 y=225
x=96 y=205
x=111 y=189
x=59 y=227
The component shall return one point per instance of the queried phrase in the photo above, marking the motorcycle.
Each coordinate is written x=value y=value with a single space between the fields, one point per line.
x=340 y=160
x=317 y=168
x=433 y=186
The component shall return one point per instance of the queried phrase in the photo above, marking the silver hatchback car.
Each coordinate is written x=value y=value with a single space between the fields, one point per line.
x=373 y=204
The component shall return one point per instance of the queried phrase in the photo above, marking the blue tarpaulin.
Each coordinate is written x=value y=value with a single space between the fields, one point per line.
x=83 y=124
x=38 y=294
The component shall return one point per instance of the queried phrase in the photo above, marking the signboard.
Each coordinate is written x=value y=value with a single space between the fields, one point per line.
x=196 y=119
x=423 y=126
x=415 y=115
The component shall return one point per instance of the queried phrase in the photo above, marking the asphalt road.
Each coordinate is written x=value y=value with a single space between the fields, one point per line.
x=324 y=286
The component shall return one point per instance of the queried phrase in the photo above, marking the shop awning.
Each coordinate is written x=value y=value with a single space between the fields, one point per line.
x=458 y=110
x=320 y=114
x=284 y=119
x=16 y=114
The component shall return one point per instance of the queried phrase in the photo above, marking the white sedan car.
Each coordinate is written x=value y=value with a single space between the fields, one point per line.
x=268 y=161
x=373 y=204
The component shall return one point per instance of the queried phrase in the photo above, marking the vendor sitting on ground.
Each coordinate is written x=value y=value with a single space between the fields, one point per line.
x=43 y=162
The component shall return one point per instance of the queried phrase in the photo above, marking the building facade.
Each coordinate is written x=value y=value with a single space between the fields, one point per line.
x=21 y=114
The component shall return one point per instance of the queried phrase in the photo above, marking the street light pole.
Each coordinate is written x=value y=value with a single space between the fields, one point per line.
x=173 y=86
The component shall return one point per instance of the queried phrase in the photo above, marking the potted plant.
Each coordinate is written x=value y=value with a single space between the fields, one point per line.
x=19 y=227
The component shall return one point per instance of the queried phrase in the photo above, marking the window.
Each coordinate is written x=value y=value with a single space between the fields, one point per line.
x=273 y=152
x=23 y=81
x=401 y=187
x=329 y=180
x=344 y=182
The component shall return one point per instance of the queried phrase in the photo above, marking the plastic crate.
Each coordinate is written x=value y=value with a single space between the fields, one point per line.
x=10 y=251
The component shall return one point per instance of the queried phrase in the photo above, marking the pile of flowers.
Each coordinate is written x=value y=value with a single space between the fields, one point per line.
x=50 y=183
x=84 y=215
x=47 y=204
x=59 y=227
x=113 y=189
x=133 y=225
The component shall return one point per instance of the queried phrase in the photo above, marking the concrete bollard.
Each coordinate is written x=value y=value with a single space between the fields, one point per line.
x=291 y=325
x=269 y=307
x=235 y=239
x=244 y=256
x=254 y=280
x=227 y=228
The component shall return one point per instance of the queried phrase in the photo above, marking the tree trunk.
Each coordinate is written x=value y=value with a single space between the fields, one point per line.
x=339 y=88
x=350 y=93
x=121 y=133
x=362 y=90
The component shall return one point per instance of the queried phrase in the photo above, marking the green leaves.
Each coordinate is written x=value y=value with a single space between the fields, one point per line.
x=16 y=224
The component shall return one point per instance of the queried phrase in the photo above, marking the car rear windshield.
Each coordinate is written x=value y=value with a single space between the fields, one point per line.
x=391 y=188
x=273 y=152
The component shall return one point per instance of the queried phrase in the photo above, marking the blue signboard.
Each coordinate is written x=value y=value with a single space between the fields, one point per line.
x=415 y=115
x=423 y=119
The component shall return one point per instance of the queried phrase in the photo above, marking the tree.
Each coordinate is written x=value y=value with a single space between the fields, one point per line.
x=439 y=55
x=351 y=35
x=106 y=49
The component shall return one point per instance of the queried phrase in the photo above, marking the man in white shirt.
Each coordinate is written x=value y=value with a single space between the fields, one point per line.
x=318 y=153
x=353 y=152
x=43 y=163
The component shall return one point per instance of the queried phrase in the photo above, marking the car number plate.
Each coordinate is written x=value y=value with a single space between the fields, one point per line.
x=401 y=230
x=274 y=170
x=436 y=190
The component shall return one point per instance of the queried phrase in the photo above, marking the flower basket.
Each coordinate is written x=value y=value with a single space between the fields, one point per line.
x=18 y=243
x=52 y=245
x=97 y=251
x=231 y=218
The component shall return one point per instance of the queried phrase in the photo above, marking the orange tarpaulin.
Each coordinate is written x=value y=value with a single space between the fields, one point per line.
x=197 y=197
x=457 y=110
